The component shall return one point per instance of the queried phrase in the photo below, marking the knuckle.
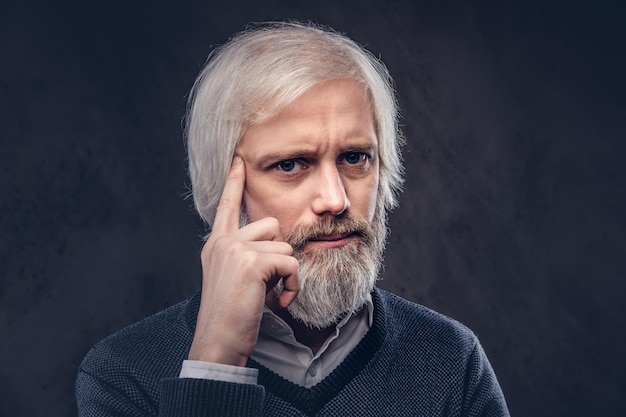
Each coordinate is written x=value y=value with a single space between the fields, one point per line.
x=222 y=244
x=249 y=260
x=236 y=247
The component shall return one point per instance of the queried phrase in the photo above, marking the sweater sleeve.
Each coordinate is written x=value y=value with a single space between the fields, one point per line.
x=179 y=397
x=483 y=395
x=97 y=397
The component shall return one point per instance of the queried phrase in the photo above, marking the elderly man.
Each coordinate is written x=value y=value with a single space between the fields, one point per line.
x=294 y=158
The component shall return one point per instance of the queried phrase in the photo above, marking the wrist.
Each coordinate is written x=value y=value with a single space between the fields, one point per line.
x=217 y=354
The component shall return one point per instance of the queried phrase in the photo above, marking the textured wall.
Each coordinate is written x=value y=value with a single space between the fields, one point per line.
x=512 y=220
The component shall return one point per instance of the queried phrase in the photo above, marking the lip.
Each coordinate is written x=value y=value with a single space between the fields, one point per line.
x=331 y=241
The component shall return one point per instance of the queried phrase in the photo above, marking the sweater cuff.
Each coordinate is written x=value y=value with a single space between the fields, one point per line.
x=185 y=397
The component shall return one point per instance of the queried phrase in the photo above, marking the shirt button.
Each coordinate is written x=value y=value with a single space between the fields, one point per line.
x=312 y=371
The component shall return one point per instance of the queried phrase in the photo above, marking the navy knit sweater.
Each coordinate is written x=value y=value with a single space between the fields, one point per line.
x=412 y=362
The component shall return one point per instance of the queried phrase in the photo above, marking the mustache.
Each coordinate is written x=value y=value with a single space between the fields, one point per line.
x=344 y=224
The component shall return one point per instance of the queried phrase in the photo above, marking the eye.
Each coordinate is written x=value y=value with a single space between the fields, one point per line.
x=290 y=166
x=354 y=158
x=287 y=166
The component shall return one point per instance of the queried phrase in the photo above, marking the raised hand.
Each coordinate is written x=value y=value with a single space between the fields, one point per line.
x=239 y=268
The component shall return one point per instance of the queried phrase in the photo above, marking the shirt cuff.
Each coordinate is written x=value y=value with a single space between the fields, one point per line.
x=218 y=372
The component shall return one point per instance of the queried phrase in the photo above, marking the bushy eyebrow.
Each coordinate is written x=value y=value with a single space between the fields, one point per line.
x=271 y=157
x=370 y=149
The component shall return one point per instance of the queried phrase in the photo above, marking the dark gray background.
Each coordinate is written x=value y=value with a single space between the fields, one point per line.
x=512 y=220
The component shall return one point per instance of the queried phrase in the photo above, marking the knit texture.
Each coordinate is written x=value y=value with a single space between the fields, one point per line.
x=412 y=362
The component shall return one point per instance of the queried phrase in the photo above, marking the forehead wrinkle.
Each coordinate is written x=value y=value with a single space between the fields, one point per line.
x=308 y=144
x=332 y=132
x=318 y=122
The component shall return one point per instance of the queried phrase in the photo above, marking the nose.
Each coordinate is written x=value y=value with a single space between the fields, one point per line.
x=330 y=193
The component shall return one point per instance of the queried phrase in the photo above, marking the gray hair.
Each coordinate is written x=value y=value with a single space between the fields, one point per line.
x=262 y=70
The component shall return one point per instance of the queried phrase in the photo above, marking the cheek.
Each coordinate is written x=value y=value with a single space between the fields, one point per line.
x=372 y=198
x=363 y=197
x=264 y=200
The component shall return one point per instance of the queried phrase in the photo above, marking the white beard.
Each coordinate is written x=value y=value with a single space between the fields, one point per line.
x=335 y=282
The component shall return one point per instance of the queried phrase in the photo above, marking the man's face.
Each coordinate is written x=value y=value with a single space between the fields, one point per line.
x=316 y=158
x=314 y=167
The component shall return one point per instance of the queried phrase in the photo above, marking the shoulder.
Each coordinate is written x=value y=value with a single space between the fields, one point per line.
x=424 y=345
x=156 y=345
x=417 y=325
x=120 y=375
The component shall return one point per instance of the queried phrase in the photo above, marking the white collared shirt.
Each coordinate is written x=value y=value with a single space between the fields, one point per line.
x=278 y=350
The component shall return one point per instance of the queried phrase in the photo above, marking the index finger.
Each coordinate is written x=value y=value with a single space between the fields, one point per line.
x=229 y=208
